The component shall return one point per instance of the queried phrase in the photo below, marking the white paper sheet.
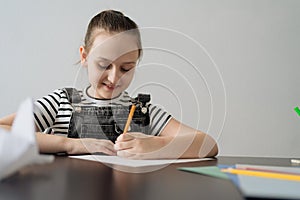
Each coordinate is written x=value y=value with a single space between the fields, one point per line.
x=115 y=160
x=18 y=147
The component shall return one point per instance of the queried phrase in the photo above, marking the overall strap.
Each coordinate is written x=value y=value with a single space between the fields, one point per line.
x=72 y=95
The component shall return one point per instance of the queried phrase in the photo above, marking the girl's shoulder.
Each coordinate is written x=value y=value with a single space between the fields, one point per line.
x=64 y=95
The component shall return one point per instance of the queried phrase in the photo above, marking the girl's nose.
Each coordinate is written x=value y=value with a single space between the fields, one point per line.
x=113 y=75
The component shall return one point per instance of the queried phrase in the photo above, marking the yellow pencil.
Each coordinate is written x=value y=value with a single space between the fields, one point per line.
x=262 y=174
x=129 y=118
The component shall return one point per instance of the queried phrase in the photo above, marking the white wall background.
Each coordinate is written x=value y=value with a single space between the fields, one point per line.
x=254 y=48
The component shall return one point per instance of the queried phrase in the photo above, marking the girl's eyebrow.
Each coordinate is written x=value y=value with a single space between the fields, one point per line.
x=129 y=62
x=107 y=60
x=103 y=59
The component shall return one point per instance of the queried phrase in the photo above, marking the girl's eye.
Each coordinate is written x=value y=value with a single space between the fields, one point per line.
x=103 y=67
x=126 y=69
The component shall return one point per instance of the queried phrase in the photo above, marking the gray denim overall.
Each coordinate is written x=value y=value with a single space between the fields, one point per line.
x=90 y=121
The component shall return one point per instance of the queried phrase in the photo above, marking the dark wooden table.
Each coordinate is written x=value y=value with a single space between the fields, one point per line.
x=74 y=179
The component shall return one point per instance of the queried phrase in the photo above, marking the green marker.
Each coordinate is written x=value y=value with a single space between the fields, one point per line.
x=297 y=110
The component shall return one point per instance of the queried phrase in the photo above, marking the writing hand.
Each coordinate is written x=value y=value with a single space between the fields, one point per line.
x=136 y=145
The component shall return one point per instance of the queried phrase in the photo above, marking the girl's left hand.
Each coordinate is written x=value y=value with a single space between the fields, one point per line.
x=136 y=145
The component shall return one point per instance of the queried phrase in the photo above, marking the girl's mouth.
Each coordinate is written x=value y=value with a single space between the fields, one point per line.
x=110 y=87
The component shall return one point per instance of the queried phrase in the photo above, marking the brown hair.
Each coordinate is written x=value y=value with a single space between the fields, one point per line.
x=111 y=21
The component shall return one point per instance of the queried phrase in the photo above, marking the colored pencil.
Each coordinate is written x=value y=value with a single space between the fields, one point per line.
x=129 y=118
x=267 y=170
x=262 y=174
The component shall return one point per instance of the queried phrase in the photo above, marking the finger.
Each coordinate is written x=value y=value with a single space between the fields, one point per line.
x=124 y=145
x=109 y=152
x=130 y=154
x=125 y=137
x=125 y=154
x=96 y=145
x=107 y=144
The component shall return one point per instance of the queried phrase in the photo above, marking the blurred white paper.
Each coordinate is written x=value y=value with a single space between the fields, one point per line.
x=18 y=147
x=115 y=160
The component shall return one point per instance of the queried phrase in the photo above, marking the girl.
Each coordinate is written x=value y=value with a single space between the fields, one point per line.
x=111 y=50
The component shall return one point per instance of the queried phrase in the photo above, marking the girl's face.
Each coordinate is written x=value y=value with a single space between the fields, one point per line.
x=111 y=64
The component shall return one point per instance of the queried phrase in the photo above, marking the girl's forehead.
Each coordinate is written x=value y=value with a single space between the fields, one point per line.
x=113 y=46
x=130 y=57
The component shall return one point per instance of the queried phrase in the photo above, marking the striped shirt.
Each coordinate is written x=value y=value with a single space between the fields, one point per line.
x=52 y=113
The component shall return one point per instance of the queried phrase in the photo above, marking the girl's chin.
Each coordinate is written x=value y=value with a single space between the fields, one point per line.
x=107 y=95
x=104 y=93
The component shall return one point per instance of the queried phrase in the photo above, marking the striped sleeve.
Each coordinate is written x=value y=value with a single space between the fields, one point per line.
x=159 y=118
x=46 y=109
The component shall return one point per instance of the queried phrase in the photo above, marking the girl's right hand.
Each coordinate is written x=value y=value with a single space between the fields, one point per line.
x=90 y=145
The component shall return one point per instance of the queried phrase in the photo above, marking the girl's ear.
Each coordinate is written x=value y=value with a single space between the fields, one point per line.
x=83 y=56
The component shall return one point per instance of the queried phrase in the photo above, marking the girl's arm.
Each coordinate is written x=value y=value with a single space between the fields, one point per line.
x=7 y=120
x=191 y=142
x=58 y=144
x=175 y=141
